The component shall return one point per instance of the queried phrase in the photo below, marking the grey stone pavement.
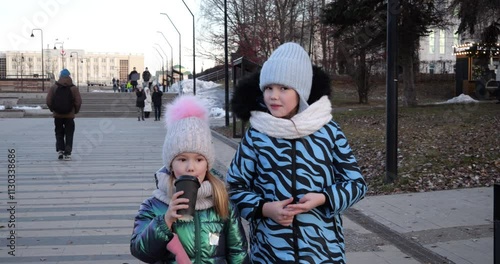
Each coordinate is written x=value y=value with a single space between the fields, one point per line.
x=82 y=211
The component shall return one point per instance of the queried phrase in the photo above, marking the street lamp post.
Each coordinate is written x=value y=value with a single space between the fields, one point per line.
x=166 y=61
x=162 y=61
x=194 y=52
x=43 y=69
x=226 y=65
x=62 y=51
x=77 y=61
x=22 y=64
x=171 y=55
x=88 y=71
x=180 y=86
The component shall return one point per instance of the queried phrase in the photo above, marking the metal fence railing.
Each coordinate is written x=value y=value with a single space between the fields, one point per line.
x=215 y=76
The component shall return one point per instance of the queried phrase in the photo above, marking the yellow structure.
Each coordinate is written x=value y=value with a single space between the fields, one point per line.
x=468 y=67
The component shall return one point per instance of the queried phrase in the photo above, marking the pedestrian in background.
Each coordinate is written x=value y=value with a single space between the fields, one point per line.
x=294 y=173
x=114 y=85
x=214 y=234
x=128 y=87
x=64 y=94
x=139 y=103
x=147 y=103
x=156 y=97
x=146 y=76
x=133 y=77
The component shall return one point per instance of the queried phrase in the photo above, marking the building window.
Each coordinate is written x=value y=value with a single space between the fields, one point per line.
x=442 y=40
x=432 y=37
x=103 y=60
x=3 y=68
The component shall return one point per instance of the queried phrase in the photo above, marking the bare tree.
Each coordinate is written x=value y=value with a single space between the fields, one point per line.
x=257 y=27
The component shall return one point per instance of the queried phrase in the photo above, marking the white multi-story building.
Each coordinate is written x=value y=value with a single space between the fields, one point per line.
x=436 y=51
x=85 y=67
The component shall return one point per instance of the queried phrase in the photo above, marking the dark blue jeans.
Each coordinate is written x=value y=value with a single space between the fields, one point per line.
x=65 y=128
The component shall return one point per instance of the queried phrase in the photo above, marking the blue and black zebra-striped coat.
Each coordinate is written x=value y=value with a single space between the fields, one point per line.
x=263 y=170
x=267 y=168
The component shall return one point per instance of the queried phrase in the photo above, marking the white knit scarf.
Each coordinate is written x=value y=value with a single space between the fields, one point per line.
x=165 y=191
x=302 y=124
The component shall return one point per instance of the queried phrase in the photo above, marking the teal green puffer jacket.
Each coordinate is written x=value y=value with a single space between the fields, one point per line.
x=220 y=241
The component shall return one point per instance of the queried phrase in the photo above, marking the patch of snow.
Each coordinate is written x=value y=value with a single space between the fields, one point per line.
x=461 y=99
x=101 y=91
x=203 y=89
x=217 y=112
x=23 y=107
x=187 y=86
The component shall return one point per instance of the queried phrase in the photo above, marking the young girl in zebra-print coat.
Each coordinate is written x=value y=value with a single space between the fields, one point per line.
x=293 y=173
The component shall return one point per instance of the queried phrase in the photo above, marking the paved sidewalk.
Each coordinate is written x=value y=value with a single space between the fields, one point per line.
x=82 y=211
x=453 y=226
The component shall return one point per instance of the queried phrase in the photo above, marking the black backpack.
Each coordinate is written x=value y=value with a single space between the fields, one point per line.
x=146 y=76
x=62 y=100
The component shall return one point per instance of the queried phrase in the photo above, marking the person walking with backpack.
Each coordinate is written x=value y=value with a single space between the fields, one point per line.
x=133 y=77
x=64 y=101
x=146 y=76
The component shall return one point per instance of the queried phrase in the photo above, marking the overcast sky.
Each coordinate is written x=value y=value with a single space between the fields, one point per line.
x=124 y=26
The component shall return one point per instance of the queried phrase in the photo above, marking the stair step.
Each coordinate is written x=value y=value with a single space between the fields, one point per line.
x=94 y=104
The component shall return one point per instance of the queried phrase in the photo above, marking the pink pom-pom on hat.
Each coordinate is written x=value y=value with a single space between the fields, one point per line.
x=183 y=107
x=188 y=130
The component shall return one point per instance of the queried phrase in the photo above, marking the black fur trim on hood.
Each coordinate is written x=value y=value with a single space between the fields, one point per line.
x=248 y=97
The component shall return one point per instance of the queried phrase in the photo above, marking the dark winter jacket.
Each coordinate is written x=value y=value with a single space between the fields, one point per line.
x=141 y=96
x=77 y=99
x=132 y=76
x=280 y=158
x=156 y=97
x=146 y=75
x=206 y=239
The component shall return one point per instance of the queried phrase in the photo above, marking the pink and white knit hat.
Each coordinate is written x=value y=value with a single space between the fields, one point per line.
x=188 y=130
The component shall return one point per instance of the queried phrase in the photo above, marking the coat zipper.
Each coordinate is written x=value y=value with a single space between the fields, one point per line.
x=197 y=248
x=294 y=195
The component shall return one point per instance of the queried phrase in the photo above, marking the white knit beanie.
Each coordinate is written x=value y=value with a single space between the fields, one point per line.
x=188 y=130
x=289 y=65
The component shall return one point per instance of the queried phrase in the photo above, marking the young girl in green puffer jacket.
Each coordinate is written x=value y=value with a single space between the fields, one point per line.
x=215 y=233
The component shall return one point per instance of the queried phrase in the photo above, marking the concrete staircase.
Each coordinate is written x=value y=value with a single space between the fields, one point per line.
x=94 y=104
